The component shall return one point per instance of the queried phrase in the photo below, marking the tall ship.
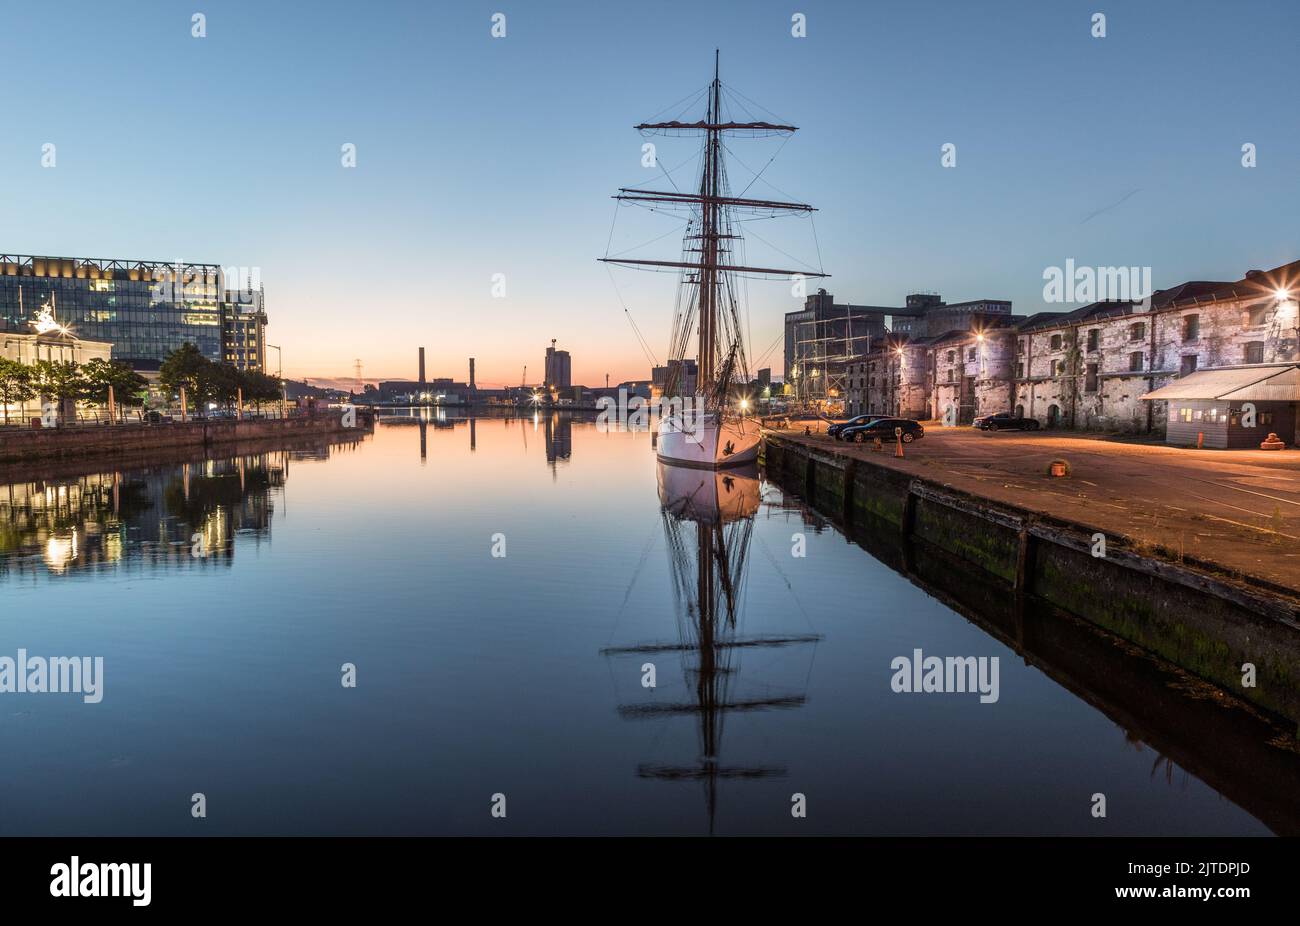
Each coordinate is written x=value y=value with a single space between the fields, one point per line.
x=714 y=427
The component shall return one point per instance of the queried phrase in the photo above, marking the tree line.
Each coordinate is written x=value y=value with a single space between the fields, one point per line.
x=207 y=382
x=204 y=381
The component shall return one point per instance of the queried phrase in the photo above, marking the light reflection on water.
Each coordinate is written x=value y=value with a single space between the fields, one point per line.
x=524 y=674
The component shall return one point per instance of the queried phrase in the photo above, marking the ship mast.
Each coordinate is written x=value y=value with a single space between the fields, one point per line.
x=709 y=251
x=709 y=274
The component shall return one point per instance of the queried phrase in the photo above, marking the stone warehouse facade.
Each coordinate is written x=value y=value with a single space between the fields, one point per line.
x=1089 y=368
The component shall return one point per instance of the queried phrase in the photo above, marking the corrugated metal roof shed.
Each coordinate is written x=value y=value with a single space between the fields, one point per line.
x=1277 y=382
x=1283 y=387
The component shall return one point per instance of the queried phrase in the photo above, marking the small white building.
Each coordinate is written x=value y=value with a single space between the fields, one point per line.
x=56 y=345
x=52 y=345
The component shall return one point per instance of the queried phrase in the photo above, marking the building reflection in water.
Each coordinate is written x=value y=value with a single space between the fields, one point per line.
x=556 y=427
x=180 y=515
x=708 y=521
x=559 y=438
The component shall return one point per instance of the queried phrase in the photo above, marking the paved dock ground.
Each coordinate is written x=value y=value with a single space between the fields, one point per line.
x=1239 y=509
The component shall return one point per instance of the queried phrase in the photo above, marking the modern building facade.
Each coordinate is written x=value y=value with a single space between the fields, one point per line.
x=243 y=329
x=145 y=309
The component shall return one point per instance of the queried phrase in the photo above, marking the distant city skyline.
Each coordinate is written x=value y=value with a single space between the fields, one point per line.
x=478 y=156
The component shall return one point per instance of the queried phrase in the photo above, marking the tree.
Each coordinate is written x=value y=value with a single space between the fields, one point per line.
x=128 y=385
x=59 y=379
x=186 y=368
x=15 y=384
x=225 y=381
x=62 y=380
x=260 y=387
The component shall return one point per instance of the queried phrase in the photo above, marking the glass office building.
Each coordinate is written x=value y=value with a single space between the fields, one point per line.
x=145 y=309
x=243 y=325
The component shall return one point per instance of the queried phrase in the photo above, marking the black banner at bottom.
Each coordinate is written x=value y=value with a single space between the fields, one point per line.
x=373 y=874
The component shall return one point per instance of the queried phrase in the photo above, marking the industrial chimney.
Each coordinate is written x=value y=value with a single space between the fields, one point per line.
x=422 y=366
x=471 y=374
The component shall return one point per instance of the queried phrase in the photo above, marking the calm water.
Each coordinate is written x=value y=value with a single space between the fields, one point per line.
x=522 y=674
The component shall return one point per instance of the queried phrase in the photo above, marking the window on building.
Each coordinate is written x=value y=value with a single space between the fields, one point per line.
x=1020 y=371
x=1020 y=345
x=952 y=374
x=1188 y=365
x=1056 y=342
x=1185 y=415
x=1255 y=316
x=970 y=354
x=1137 y=331
x=1090 y=378
x=1135 y=361
x=1191 y=327
x=1254 y=352
x=1058 y=367
x=1094 y=339
x=952 y=356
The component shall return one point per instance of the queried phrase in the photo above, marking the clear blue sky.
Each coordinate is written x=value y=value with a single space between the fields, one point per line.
x=479 y=156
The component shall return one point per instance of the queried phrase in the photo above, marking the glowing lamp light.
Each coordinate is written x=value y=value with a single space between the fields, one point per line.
x=60 y=552
x=744 y=403
x=1283 y=295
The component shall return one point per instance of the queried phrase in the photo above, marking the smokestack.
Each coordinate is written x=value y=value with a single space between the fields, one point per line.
x=471 y=373
x=421 y=366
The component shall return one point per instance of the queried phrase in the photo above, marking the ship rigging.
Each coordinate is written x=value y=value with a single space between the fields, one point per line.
x=713 y=430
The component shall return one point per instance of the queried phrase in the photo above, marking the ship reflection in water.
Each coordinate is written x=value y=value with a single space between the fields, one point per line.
x=708 y=522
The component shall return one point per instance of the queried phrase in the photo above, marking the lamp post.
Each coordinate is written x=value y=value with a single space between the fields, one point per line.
x=280 y=375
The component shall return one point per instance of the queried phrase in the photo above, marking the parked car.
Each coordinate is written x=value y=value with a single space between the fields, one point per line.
x=1005 y=421
x=884 y=429
x=835 y=429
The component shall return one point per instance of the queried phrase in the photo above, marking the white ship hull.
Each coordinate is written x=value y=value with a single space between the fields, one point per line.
x=715 y=497
x=708 y=441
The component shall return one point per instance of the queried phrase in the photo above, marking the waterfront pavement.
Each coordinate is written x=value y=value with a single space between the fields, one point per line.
x=1239 y=509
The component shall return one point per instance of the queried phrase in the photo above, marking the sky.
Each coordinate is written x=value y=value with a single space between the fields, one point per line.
x=478 y=156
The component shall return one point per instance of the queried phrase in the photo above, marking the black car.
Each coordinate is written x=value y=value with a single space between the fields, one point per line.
x=1005 y=421
x=838 y=427
x=884 y=429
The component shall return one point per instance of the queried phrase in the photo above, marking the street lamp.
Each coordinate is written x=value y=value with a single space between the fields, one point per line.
x=280 y=375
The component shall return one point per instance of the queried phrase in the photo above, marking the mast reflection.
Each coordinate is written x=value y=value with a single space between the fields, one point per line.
x=708 y=521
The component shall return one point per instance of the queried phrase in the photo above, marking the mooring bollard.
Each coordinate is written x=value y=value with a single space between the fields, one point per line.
x=1200 y=440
